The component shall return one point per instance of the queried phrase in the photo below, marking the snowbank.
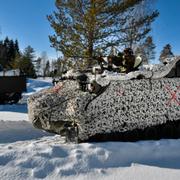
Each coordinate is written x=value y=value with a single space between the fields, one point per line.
x=51 y=158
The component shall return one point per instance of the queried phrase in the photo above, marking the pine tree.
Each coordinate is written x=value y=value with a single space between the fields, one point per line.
x=82 y=27
x=166 y=53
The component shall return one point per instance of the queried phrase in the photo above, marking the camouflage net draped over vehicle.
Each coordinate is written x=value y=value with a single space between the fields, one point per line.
x=125 y=108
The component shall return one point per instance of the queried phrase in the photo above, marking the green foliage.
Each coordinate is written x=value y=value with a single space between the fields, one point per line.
x=84 y=27
x=29 y=53
x=8 y=51
x=27 y=66
x=12 y=58
x=24 y=62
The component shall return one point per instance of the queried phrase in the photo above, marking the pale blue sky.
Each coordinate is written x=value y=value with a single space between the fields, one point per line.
x=26 y=21
x=166 y=28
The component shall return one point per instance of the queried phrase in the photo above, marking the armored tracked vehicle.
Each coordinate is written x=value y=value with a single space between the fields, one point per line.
x=139 y=105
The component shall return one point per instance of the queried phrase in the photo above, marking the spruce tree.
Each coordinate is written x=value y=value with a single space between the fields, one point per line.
x=166 y=53
x=16 y=47
x=29 y=53
x=25 y=62
x=11 y=53
x=6 y=56
x=17 y=63
x=83 y=27
x=8 y=51
x=2 y=54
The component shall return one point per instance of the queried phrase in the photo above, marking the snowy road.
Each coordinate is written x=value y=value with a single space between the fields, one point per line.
x=29 y=153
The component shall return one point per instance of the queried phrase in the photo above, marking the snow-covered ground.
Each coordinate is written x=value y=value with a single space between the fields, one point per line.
x=29 y=153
